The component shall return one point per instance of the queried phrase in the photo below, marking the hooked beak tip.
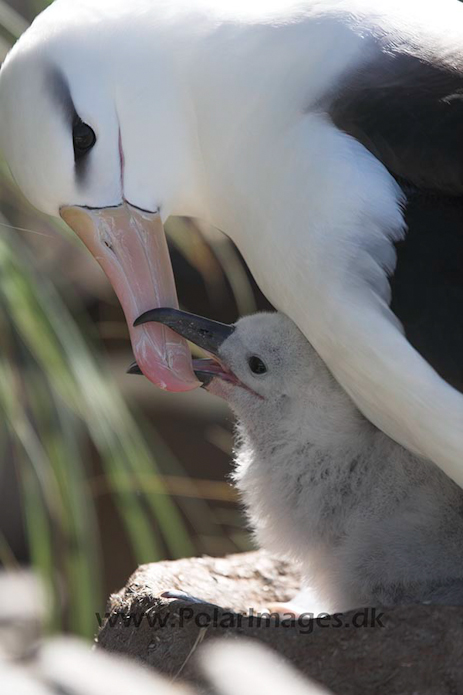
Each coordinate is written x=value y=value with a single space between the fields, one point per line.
x=134 y=369
x=163 y=315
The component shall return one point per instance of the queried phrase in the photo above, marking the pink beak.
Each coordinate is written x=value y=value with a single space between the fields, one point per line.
x=130 y=245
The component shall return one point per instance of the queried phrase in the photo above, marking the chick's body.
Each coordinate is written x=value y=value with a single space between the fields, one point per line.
x=370 y=522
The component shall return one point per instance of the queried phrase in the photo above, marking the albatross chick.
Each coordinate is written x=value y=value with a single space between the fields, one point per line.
x=369 y=522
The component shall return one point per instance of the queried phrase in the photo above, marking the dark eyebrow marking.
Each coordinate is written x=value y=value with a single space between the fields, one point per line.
x=60 y=92
x=58 y=87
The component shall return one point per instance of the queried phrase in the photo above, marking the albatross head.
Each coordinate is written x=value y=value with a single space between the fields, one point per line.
x=99 y=137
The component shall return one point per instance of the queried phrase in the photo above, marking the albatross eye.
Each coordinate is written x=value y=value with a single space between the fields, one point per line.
x=256 y=365
x=83 y=138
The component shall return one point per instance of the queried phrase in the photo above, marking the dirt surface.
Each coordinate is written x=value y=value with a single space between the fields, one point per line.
x=410 y=650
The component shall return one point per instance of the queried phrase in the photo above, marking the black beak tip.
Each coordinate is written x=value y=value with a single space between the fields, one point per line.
x=204 y=378
x=134 y=369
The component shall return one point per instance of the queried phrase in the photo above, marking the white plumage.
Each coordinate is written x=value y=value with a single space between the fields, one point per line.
x=297 y=128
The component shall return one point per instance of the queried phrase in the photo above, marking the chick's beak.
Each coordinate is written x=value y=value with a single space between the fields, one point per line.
x=204 y=369
x=205 y=333
x=130 y=245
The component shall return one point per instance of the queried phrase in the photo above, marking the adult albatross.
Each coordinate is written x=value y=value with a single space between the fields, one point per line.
x=324 y=137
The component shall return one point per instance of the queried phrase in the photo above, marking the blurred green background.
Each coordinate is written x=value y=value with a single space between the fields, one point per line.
x=100 y=471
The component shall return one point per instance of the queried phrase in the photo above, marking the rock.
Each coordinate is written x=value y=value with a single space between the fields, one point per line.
x=416 y=649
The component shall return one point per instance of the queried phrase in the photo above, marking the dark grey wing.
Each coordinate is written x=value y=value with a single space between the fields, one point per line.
x=427 y=286
x=408 y=112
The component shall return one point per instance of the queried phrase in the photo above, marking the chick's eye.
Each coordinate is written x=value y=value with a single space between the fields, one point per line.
x=83 y=138
x=256 y=365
